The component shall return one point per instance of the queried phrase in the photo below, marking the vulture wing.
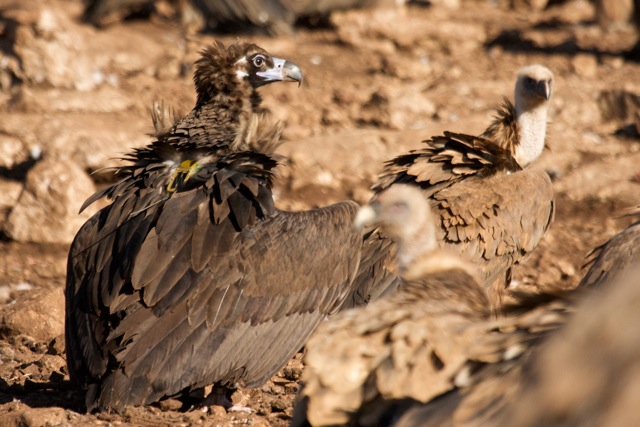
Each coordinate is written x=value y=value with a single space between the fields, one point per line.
x=611 y=259
x=497 y=220
x=209 y=284
x=377 y=274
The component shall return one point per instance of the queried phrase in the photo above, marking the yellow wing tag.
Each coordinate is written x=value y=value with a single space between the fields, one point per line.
x=183 y=172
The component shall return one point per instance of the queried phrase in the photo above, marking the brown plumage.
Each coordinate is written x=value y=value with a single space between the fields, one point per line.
x=105 y=12
x=274 y=16
x=190 y=276
x=588 y=373
x=432 y=341
x=492 y=209
x=609 y=261
x=164 y=117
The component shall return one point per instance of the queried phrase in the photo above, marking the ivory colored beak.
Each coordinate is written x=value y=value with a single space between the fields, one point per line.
x=282 y=70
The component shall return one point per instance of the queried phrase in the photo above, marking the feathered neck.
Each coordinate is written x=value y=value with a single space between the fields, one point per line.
x=219 y=86
x=420 y=243
x=447 y=282
x=532 y=128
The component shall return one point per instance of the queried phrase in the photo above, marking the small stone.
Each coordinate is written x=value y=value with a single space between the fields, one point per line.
x=56 y=346
x=293 y=370
x=51 y=363
x=170 y=405
x=291 y=388
x=585 y=65
x=12 y=151
x=217 y=411
x=279 y=405
x=241 y=397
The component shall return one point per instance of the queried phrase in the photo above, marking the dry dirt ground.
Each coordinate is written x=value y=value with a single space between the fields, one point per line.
x=376 y=82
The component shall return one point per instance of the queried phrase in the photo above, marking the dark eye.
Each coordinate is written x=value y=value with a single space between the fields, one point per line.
x=529 y=83
x=258 y=60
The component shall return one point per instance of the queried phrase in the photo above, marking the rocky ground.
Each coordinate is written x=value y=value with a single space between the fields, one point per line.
x=74 y=98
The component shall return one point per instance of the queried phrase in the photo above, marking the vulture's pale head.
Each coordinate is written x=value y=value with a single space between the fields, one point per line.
x=403 y=213
x=534 y=86
x=241 y=66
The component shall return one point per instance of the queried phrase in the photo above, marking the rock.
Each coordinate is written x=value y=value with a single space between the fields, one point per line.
x=35 y=417
x=47 y=42
x=38 y=314
x=49 y=46
x=49 y=363
x=12 y=151
x=613 y=14
x=585 y=65
x=56 y=346
x=9 y=193
x=170 y=405
x=47 y=210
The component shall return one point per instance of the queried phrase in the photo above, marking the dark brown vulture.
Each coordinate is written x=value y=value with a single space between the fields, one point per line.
x=191 y=276
x=609 y=261
x=430 y=348
x=492 y=208
x=272 y=16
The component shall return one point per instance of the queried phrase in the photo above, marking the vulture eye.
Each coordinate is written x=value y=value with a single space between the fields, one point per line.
x=529 y=83
x=399 y=208
x=258 y=60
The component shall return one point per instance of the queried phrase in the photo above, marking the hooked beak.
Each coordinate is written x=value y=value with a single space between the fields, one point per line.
x=367 y=215
x=282 y=71
x=544 y=89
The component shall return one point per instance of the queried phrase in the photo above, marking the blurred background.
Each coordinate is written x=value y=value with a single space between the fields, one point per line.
x=77 y=80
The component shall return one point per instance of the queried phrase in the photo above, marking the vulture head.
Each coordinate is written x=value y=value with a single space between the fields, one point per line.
x=403 y=213
x=239 y=70
x=534 y=85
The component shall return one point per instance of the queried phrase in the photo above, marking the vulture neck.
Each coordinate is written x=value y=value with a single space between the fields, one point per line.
x=448 y=283
x=532 y=127
x=421 y=244
x=227 y=108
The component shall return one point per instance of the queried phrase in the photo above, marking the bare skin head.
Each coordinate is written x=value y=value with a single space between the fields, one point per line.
x=534 y=86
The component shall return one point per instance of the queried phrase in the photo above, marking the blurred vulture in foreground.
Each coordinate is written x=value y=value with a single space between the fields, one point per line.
x=428 y=355
x=273 y=16
x=190 y=276
x=588 y=374
x=491 y=207
x=611 y=260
